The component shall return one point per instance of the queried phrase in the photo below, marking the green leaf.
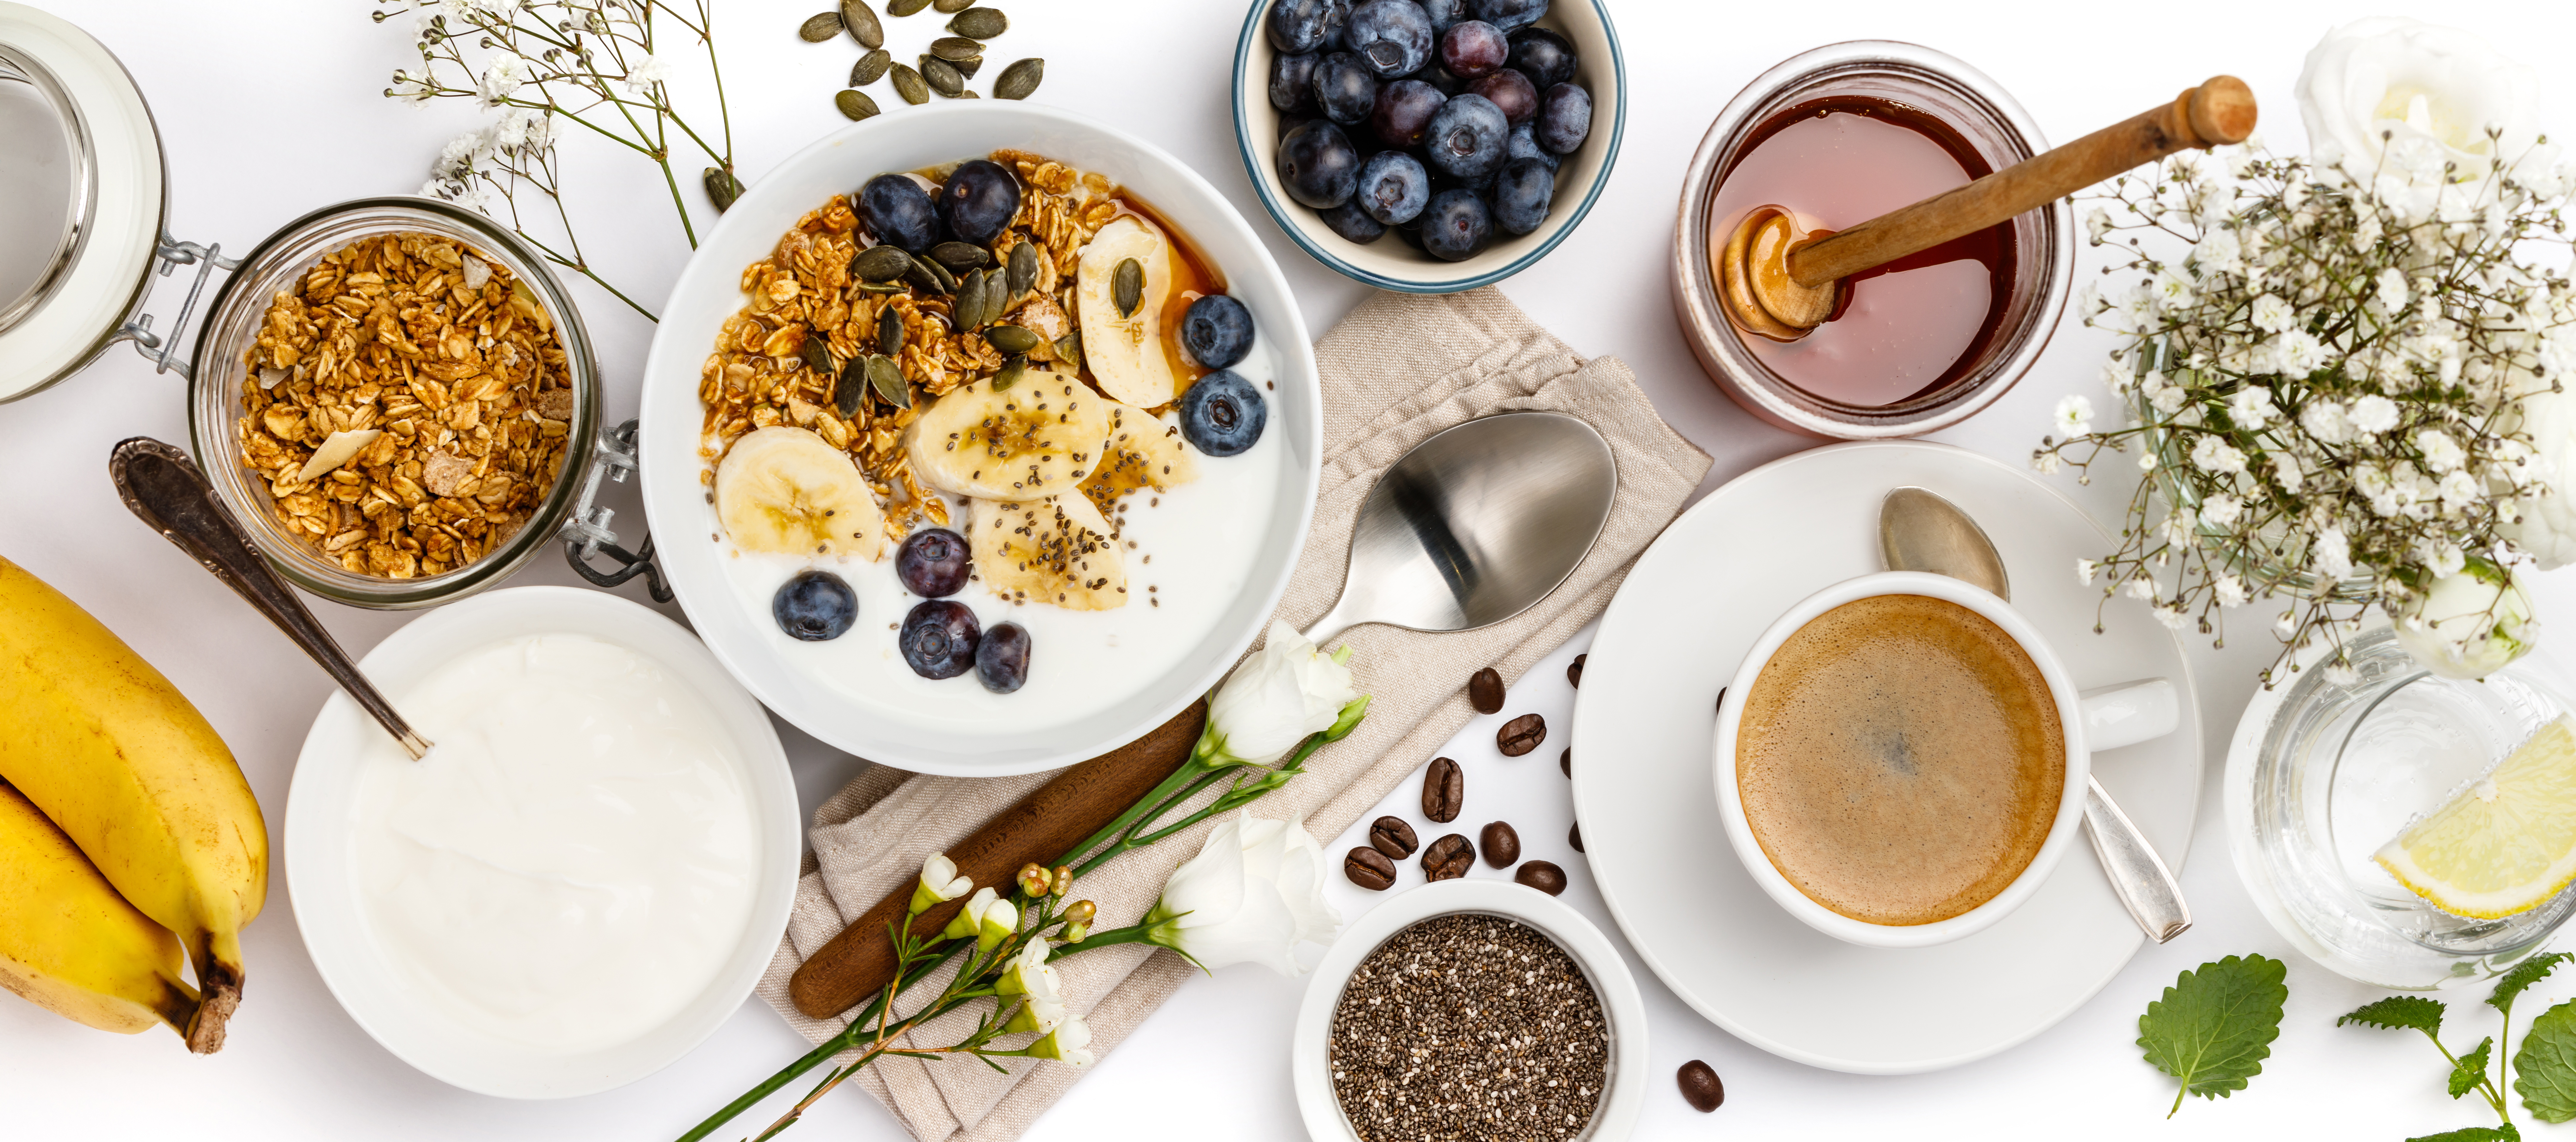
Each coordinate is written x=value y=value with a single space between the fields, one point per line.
x=2215 y=1025
x=2546 y=1064
x=2471 y=1069
x=2504 y=1133
x=2523 y=975
x=2399 y=1012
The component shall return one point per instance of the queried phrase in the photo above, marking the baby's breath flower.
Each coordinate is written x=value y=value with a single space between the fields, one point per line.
x=2230 y=590
x=2074 y=415
x=2273 y=315
x=2374 y=414
x=2140 y=587
x=2211 y=454
x=2251 y=408
x=2084 y=571
x=2171 y=615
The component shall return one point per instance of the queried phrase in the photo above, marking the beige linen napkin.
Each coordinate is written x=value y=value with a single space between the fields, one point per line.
x=1398 y=369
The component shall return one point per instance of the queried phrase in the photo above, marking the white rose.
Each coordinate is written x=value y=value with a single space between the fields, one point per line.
x=2469 y=625
x=1254 y=891
x=2547 y=529
x=2409 y=80
x=1284 y=692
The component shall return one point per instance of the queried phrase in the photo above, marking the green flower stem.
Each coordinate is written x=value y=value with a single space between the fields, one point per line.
x=1132 y=934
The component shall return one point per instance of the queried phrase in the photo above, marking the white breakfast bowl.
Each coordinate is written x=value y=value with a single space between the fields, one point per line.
x=1627 y=1077
x=321 y=876
x=745 y=637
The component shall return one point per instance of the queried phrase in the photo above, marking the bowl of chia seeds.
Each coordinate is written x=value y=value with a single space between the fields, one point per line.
x=1471 y=1008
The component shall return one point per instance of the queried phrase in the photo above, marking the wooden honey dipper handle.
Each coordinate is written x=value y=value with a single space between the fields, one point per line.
x=2215 y=113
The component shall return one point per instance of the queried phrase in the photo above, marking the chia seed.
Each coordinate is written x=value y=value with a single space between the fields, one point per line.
x=1468 y=1027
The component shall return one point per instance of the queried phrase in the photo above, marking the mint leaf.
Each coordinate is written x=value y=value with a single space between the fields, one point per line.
x=2547 y=1064
x=2399 y=1012
x=2523 y=975
x=2215 y=1025
x=2504 y=1133
x=2471 y=1069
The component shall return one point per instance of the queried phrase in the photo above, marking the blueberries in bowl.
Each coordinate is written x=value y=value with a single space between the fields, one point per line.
x=1509 y=15
x=1455 y=227
x=1222 y=414
x=1473 y=49
x=1444 y=13
x=1393 y=187
x=898 y=213
x=1345 y=88
x=1217 y=331
x=1352 y=222
x=1394 y=36
x=1521 y=194
x=1465 y=137
x=1403 y=112
x=1565 y=119
x=939 y=637
x=1510 y=91
x=1524 y=145
x=1002 y=658
x=1292 y=82
x=932 y=562
x=815 y=606
x=1318 y=163
x=1545 y=57
x=978 y=201
x=1300 y=26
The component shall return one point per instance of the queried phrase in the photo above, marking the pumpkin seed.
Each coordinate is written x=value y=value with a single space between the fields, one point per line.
x=1024 y=268
x=881 y=287
x=968 y=68
x=905 y=7
x=870 y=68
x=947 y=281
x=921 y=277
x=955 y=48
x=861 y=20
x=818 y=356
x=852 y=389
x=1011 y=338
x=1068 y=349
x=942 y=76
x=722 y=188
x=974 y=308
x=1127 y=285
x=888 y=382
x=907 y=83
x=890 y=333
x=819 y=27
x=1020 y=79
x=880 y=264
x=980 y=23
x=961 y=257
x=950 y=7
x=855 y=103
x=1010 y=374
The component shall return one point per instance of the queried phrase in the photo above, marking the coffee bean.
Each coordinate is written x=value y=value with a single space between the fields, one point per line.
x=1485 y=691
x=1502 y=844
x=1574 y=672
x=1565 y=762
x=1444 y=790
x=1393 y=837
x=1542 y=876
x=1521 y=735
x=1448 y=858
x=1369 y=868
x=1700 y=1087
x=1574 y=836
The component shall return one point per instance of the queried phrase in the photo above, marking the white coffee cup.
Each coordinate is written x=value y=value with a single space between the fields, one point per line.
x=2103 y=719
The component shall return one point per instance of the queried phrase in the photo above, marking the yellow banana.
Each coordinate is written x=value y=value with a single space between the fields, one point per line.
x=101 y=742
x=70 y=943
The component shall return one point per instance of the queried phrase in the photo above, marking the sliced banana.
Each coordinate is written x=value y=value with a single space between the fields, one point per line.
x=1125 y=354
x=787 y=490
x=1036 y=439
x=1057 y=551
x=1142 y=452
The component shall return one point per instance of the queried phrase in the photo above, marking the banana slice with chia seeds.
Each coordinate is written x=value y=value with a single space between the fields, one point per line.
x=1125 y=352
x=1142 y=452
x=1059 y=551
x=787 y=490
x=1038 y=438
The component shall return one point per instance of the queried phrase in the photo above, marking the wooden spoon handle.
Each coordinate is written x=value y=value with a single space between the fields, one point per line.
x=2218 y=112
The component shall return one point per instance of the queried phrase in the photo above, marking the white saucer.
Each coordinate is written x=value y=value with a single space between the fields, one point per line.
x=1646 y=713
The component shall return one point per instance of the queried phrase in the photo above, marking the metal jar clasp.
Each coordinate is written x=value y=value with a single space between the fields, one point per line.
x=585 y=532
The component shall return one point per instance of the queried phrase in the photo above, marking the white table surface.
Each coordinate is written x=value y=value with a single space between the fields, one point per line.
x=269 y=109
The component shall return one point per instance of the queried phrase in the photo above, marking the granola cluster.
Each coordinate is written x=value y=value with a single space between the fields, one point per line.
x=763 y=371
x=408 y=405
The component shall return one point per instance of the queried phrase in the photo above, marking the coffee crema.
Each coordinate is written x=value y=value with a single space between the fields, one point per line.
x=1900 y=759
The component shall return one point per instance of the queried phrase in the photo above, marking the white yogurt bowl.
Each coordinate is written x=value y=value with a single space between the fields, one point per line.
x=348 y=945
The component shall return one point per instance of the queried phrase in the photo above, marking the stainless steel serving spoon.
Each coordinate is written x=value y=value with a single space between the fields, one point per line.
x=1920 y=531
x=1475 y=525
x=163 y=488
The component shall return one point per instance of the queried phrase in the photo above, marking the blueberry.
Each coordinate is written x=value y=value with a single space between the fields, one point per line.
x=1455 y=227
x=1404 y=110
x=1565 y=119
x=1318 y=164
x=1292 y=82
x=1466 y=136
x=1223 y=414
x=1345 y=88
x=939 y=638
x=932 y=562
x=1524 y=145
x=1217 y=332
x=898 y=213
x=1509 y=15
x=1351 y=221
x=1511 y=91
x=1545 y=57
x=1394 y=36
x=1393 y=187
x=1300 y=26
x=1441 y=80
x=1473 y=49
x=815 y=606
x=1521 y=194
x=1002 y=659
x=978 y=201
x=1444 y=13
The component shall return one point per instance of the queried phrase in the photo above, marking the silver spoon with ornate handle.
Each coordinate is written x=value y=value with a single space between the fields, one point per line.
x=1920 y=531
x=163 y=488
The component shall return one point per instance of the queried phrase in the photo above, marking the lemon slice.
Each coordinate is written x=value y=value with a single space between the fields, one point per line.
x=2507 y=843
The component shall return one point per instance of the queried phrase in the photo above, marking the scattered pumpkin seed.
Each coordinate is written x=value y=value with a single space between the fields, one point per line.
x=1011 y=338
x=921 y=277
x=1127 y=286
x=947 y=281
x=907 y=83
x=1024 y=268
x=855 y=103
x=861 y=20
x=942 y=76
x=950 y=7
x=881 y=287
x=888 y=381
x=975 y=298
x=967 y=94
x=852 y=389
x=905 y=7
x=722 y=188
x=819 y=27
x=955 y=48
x=980 y=23
x=969 y=67
x=818 y=356
x=961 y=257
x=870 y=68
x=1010 y=374
x=880 y=264
x=1020 y=79
x=1068 y=349
x=890 y=333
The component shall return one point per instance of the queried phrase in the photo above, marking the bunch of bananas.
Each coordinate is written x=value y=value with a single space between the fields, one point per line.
x=127 y=833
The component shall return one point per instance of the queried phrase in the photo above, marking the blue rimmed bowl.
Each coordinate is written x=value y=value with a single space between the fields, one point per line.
x=1391 y=263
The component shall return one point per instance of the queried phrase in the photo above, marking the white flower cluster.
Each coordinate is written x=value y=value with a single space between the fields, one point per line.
x=2346 y=371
